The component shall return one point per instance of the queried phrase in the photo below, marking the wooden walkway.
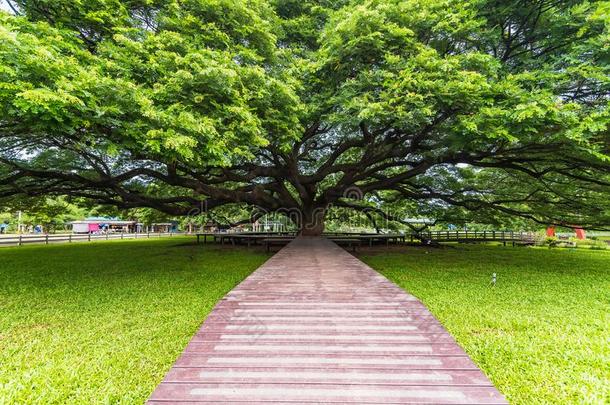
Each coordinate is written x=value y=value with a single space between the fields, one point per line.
x=316 y=325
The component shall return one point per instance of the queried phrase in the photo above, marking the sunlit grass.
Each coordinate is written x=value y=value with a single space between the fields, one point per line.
x=542 y=334
x=103 y=322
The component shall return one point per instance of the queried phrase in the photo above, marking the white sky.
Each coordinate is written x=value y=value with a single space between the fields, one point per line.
x=4 y=6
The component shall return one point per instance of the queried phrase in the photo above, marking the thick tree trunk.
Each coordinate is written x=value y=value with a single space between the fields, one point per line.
x=312 y=221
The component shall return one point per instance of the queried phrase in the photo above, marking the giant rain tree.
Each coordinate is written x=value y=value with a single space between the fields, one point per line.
x=297 y=106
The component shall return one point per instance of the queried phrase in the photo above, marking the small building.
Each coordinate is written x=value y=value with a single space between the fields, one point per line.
x=98 y=224
x=165 y=227
x=268 y=226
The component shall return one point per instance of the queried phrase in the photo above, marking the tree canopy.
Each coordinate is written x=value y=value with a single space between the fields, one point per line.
x=437 y=108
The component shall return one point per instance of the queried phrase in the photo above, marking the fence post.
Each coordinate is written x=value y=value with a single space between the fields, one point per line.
x=89 y=237
x=122 y=232
x=70 y=238
x=148 y=234
x=20 y=241
x=46 y=239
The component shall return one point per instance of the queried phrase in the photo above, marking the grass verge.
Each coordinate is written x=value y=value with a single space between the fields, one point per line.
x=103 y=322
x=542 y=334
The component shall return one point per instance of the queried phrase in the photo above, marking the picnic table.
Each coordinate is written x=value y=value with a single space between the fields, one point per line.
x=238 y=236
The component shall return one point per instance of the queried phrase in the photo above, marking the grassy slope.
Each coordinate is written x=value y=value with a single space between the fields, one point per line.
x=542 y=334
x=103 y=322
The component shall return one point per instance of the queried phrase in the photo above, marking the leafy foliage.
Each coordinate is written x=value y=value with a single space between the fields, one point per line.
x=443 y=108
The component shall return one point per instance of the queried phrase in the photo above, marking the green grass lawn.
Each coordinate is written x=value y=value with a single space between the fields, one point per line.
x=542 y=334
x=103 y=322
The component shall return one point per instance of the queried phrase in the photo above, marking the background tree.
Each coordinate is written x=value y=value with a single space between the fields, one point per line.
x=52 y=213
x=446 y=106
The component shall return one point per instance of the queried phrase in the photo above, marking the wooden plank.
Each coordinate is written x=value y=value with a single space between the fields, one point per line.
x=326 y=393
x=315 y=324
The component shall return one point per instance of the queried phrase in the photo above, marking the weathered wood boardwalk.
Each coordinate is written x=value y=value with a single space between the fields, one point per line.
x=316 y=325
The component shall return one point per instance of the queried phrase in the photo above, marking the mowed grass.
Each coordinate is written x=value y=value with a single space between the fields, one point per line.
x=542 y=334
x=103 y=322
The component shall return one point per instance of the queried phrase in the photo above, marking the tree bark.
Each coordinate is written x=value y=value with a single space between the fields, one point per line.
x=312 y=221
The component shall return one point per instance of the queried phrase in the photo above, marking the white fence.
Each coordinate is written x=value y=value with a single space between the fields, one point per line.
x=26 y=239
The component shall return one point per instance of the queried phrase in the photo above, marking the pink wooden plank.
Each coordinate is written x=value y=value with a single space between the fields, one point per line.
x=230 y=347
x=327 y=393
x=257 y=328
x=389 y=362
x=313 y=337
x=322 y=375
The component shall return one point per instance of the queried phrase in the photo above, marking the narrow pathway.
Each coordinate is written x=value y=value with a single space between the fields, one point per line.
x=315 y=324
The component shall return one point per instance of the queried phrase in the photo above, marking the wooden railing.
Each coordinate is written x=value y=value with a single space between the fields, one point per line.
x=26 y=239
x=432 y=236
x=477 y=236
